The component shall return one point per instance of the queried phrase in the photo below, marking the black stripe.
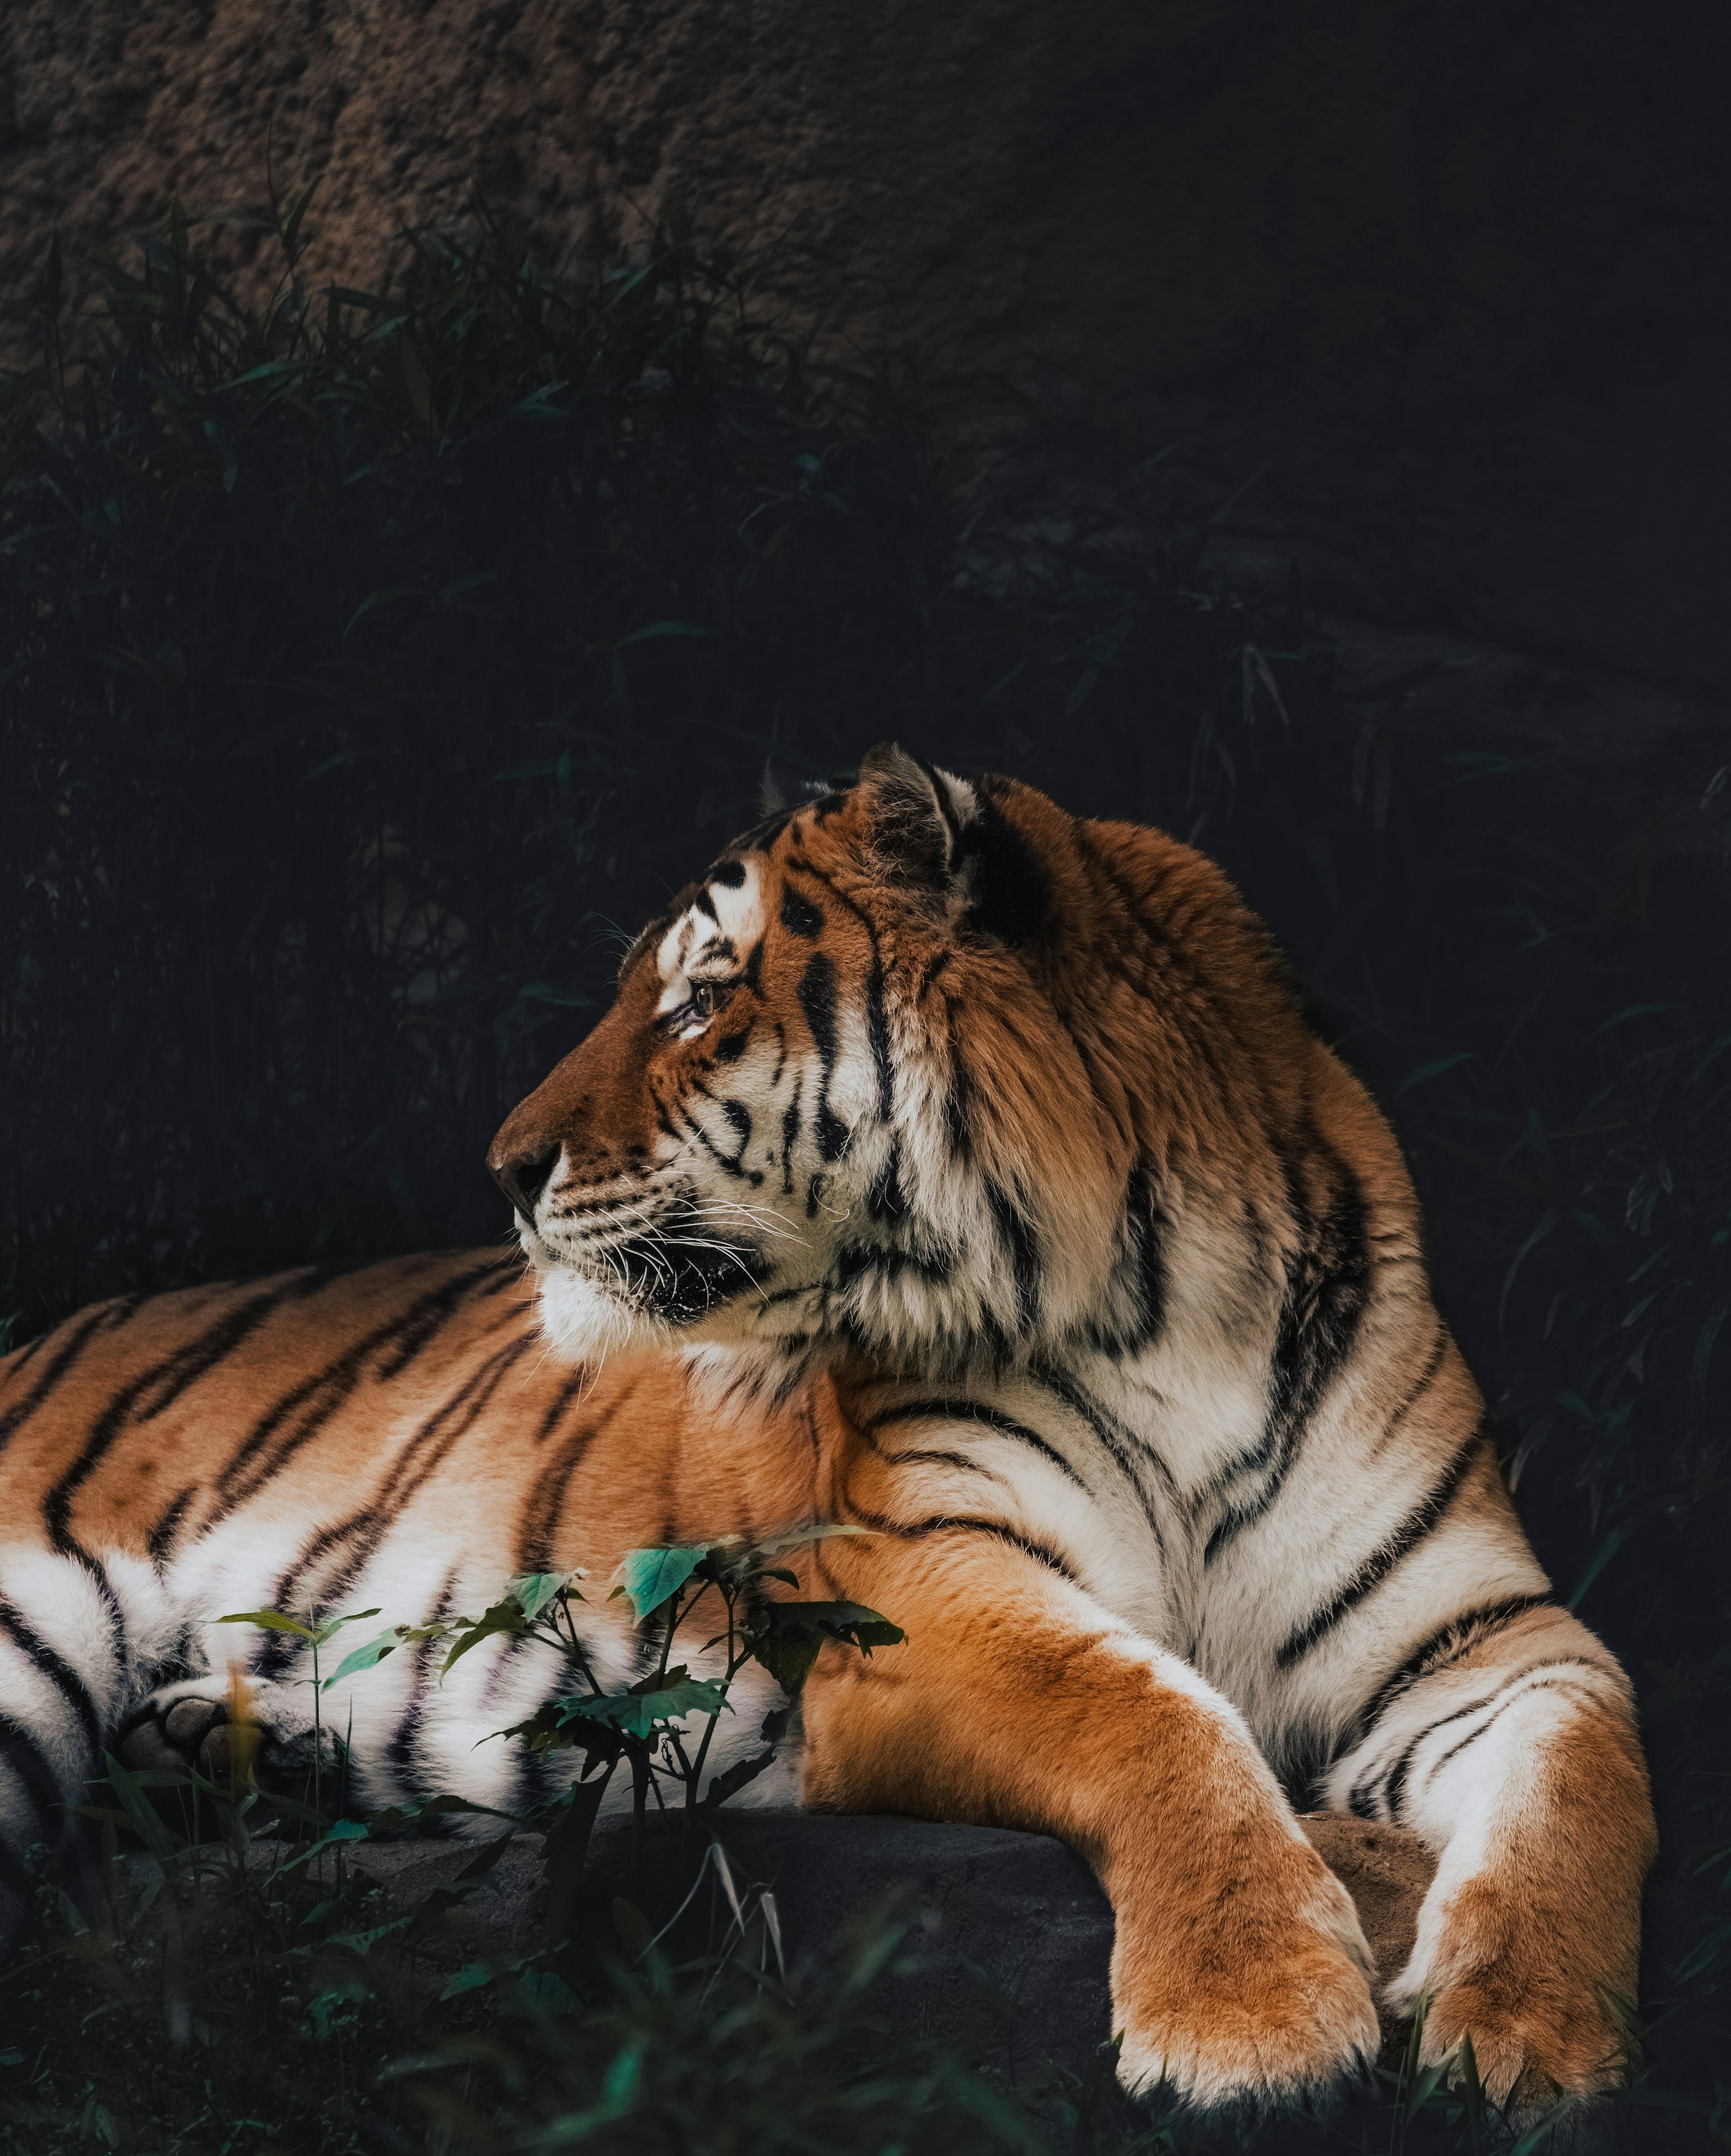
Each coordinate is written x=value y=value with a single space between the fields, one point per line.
x=536 y=1549
x=1376 y=1568
x=946 y=1523
x=1393 y=1777
x=932 y=1456
x=106 y=1317
x=976 y=1411
x=1427 y=1377
x=790 y=1136
x=21 y=1749
x=958 y=1095
x=57 y=1669
x=1436 y=1651
x=877 y=1027
x=361 y=1534
x=817 y=1001
x=159 y=1543
x=562 y=1399
x=99 y=1578
x=399 y=1748
x=1021 y=1250
x=313 y=1399
x=1473 y=1736
x=885 y=1201
x=946 y=808
x=21 y=1357
x=166 y=1381
x=1123 y=1446
x=1327 y=1289
x=799 y=916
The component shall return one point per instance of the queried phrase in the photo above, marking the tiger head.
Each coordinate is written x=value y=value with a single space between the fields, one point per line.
x=884 y=1081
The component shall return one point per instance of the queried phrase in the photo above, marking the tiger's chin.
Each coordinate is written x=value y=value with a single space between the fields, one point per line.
x=727 y=1347
x=590 y=1322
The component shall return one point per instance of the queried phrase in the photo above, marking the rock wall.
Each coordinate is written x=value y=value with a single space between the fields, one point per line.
x=1458 y=276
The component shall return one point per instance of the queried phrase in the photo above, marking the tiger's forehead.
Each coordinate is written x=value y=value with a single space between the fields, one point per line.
x=715 y=933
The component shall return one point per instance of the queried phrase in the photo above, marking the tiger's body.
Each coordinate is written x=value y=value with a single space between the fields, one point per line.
x=953 y=1168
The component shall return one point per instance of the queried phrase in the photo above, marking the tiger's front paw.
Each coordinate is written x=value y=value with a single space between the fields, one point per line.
x=1541 y=2037
x=1264 y=1998
x=1541 y=1991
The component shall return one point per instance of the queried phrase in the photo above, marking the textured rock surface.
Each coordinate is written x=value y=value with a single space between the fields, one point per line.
x=1458 y=273
x=1009 y=1937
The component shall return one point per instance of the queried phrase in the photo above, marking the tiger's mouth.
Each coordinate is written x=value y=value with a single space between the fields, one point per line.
x=670 y=1256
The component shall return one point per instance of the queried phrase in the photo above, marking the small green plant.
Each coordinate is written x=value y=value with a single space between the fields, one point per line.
x=642 y=1726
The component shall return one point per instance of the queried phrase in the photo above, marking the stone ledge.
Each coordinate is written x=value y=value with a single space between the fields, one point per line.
x=1009 y=1936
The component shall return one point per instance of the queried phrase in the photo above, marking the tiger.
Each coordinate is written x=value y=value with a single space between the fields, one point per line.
x=968 y=1174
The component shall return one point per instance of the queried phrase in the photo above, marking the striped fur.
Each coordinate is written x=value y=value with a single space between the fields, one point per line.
x=954 y=1167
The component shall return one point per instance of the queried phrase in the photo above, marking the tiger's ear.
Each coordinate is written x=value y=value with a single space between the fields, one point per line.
x=945 y=835
x=771 y=800
x=919 y=815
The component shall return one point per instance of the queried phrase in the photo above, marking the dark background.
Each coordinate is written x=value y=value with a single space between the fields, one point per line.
x=1305 y=431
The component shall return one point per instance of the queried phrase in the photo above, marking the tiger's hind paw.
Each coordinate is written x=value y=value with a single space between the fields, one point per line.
x=196 y=1726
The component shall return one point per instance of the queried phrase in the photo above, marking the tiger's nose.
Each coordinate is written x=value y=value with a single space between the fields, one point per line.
x=522 y=1176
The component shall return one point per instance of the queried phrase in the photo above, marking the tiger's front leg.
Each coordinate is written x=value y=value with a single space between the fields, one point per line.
x=1239 y=1969
x=1518 y=1762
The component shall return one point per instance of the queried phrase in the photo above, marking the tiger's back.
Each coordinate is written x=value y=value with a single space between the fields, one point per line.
x=313 y=1414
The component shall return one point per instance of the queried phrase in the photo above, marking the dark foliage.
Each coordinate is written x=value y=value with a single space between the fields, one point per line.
x=374 y=666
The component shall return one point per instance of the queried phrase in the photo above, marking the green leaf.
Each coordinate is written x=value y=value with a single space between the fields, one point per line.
x=833 y=1620
x=1602 y=1557
x=1713 y=1055
x=502 y=1617
x=532 y=1591
x=1629 y=1011
x=640 y=1714
x=396 y=1816
x=140 y=1810
x=733 y=1779
x=344 y=1830
x=273 y=1621
x=653 y=1576
x=1433 y=1070
x=1549 y=1221
x=787 y=1637
x=1705 y=1954
x=387 y=596
x=788 y=1660
x=1709 y=1333
x=348 y=297
x=365 y=1658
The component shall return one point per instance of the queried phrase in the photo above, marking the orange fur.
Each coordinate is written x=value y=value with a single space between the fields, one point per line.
x=1137 y=1035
